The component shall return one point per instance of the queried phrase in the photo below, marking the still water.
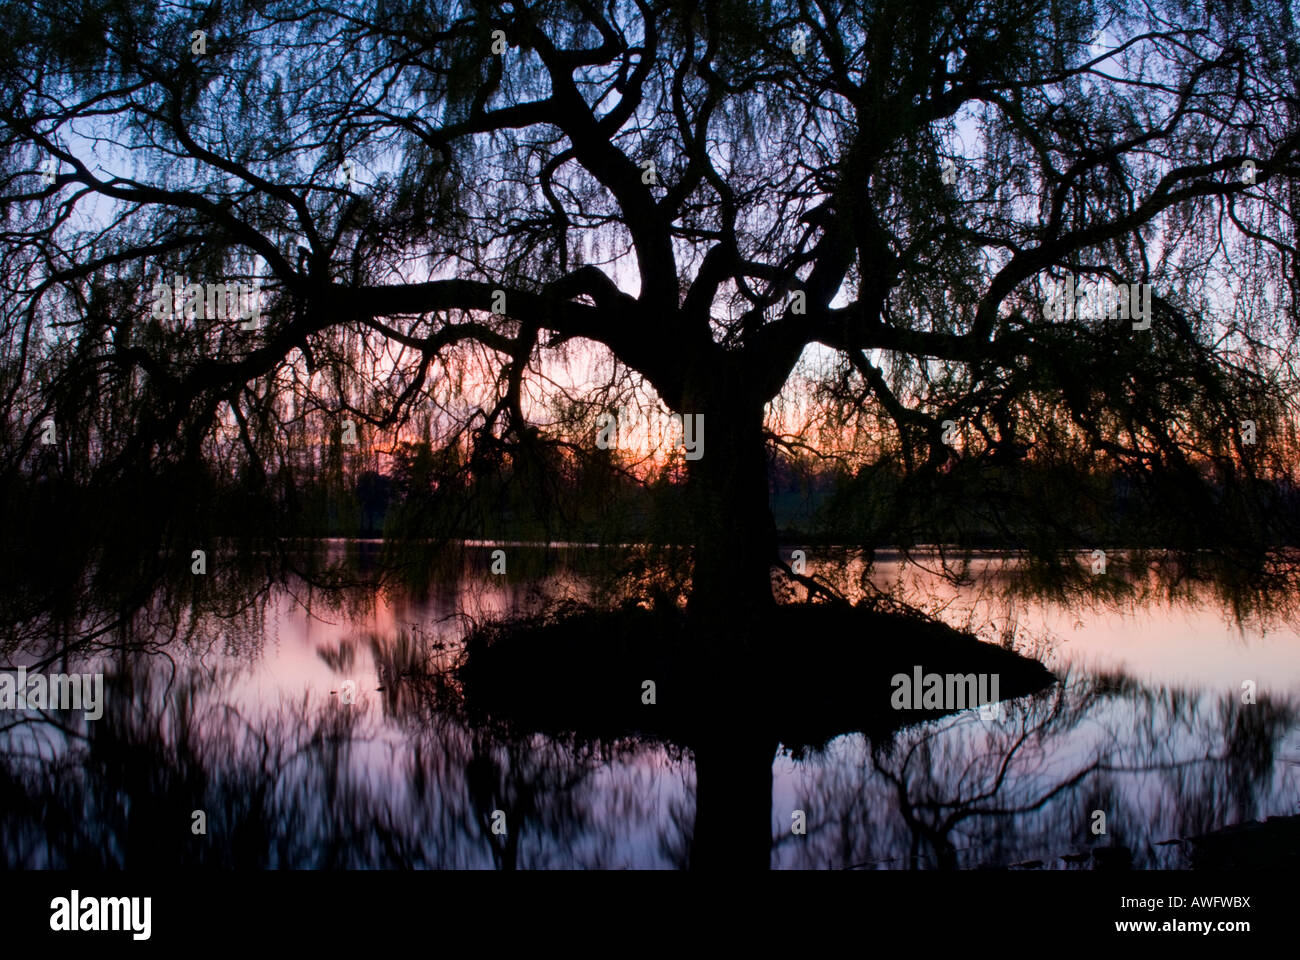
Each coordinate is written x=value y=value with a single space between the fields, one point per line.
x=237 y=709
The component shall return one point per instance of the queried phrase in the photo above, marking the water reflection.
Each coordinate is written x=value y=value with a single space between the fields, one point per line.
x=1160 y=764
x=244 y=719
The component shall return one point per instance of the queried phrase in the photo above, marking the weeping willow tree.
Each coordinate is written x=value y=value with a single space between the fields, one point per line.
x=460 y=218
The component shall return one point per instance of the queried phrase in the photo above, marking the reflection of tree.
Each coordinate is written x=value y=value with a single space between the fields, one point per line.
x=311 y=785
x=1158 y=762
x=402 y=779
x=733 y=801
x=223 y=609
x=304 y=785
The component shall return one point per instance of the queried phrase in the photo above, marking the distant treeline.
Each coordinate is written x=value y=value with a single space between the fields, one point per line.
x=549 y=494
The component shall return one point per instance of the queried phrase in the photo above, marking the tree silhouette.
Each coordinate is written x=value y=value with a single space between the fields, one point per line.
x=442 y=201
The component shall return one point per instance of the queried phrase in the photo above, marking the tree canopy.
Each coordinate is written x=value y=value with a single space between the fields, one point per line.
x=827 y=227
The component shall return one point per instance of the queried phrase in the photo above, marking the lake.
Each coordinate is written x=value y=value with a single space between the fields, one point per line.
x=1171 y=718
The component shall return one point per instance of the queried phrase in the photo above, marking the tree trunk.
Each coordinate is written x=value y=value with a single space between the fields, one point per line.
x=735 y=539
